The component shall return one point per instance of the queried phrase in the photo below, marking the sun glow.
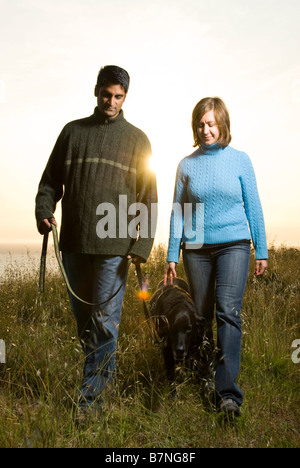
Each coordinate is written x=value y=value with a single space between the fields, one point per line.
x=156 y=164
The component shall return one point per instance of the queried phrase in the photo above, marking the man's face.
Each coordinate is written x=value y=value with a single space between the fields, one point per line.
x=110 y=99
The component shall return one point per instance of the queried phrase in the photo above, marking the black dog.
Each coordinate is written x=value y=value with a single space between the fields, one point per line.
x=177 y=324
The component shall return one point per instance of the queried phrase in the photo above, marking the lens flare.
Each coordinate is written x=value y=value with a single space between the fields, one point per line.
x=143 y=294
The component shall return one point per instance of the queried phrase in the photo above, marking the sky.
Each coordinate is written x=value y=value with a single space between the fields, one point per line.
x=176 y=52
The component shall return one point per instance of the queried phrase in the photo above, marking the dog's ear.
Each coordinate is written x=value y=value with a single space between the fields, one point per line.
x=162 y=325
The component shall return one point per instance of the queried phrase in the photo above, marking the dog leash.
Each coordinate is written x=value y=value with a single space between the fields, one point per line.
x=153 y=332
x=43 y=263
x=154 y=335
x=62 y=269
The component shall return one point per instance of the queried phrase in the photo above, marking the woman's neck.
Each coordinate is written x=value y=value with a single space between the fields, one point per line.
x=211 y=149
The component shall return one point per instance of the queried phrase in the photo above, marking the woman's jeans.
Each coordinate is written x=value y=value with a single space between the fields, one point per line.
x=96 y=279
x=218 y=276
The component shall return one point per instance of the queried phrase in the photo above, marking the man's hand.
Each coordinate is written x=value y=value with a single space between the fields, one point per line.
x=45 y=225
x=136 y=259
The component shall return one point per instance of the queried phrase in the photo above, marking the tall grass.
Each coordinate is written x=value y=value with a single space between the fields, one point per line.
x=38 y=388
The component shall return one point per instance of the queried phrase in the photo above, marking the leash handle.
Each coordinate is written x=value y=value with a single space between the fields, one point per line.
x=43 y=263
x=139 y=275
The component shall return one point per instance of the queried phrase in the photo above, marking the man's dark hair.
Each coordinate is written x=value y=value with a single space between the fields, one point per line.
x=111 y=74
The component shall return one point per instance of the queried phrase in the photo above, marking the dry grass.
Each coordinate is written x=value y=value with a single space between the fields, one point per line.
x=44 y=363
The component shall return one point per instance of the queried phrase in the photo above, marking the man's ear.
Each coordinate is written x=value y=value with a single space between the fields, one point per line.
x=96 y=91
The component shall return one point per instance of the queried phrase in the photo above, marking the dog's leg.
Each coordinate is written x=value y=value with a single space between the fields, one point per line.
x=170 y=370
x=169 y=363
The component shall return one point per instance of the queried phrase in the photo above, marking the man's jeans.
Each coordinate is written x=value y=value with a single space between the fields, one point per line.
x=218 y=276
x=96 y=279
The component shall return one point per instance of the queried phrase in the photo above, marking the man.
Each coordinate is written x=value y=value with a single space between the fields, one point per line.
x=99 y=166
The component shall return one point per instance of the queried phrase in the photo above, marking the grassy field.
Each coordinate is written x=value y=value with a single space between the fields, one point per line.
x=38 y=388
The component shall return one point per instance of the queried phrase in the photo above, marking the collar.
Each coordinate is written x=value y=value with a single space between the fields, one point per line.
x=102 y=119
x=211 y=149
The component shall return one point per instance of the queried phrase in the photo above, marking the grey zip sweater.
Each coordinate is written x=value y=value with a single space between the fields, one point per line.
x=94 y=161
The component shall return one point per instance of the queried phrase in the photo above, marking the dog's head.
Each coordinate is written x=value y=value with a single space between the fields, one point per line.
x=181 y=334
x=181 y=331
x=176 y=319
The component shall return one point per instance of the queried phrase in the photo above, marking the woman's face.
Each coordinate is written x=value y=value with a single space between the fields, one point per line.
x=208 y=130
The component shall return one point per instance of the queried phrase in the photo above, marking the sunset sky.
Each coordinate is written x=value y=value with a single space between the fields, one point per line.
x=176 y=52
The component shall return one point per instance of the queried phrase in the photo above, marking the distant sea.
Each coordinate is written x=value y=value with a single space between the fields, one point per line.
x=24 y=257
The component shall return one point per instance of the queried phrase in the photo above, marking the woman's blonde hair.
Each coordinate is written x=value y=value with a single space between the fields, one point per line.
x=221 y=115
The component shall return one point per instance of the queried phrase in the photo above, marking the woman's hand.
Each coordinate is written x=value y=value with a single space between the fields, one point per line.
x=170 y=272
x=260 y=267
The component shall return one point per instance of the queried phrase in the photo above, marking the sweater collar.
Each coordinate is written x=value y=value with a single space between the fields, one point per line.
x=102 y=119
x=211 y=149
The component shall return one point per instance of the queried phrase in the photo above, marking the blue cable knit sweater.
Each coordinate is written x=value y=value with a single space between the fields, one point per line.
x=222 y=180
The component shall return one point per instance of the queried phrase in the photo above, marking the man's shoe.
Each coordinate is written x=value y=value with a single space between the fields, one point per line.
x=230 y=407
x=87 y=415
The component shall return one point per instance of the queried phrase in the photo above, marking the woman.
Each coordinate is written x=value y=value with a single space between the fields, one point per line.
x=222 y=182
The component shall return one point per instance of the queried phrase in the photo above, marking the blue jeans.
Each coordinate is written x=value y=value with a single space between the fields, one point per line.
x=96 y=279
x=217 y=279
